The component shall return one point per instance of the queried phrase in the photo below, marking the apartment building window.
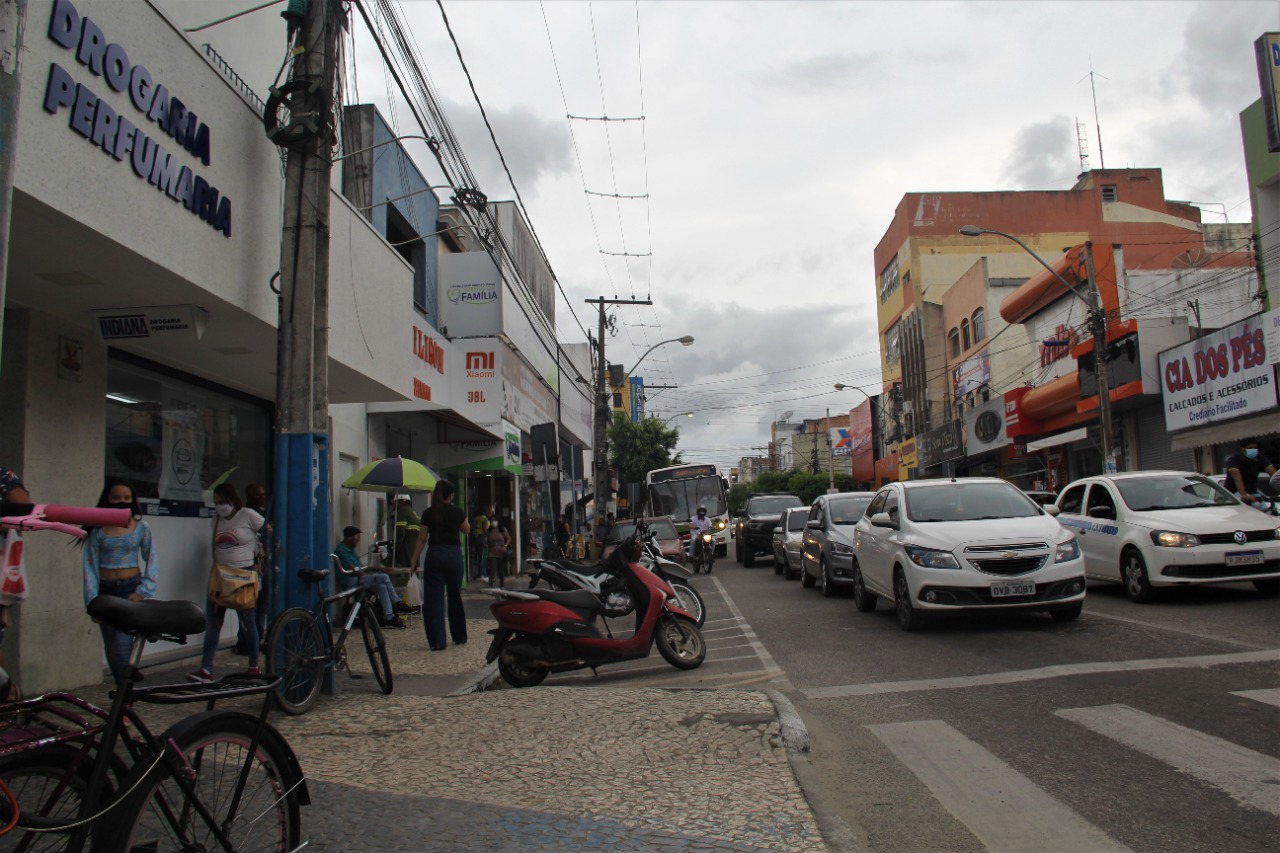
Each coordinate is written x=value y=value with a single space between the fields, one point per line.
x=979 y=325
x=893 y=344
x=954 y=337
x=1110 y=192
x=889 y=279
x=964 y=333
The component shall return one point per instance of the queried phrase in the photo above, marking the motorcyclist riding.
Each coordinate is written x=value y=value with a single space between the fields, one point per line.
x=698 y=525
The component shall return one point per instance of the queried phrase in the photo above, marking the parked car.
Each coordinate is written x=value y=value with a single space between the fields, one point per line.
x=668 y=539
x=1153 y=529
x=975 y=543
x=1042 y=498
x=827 y=546
x=760 y=516
x=786 y=542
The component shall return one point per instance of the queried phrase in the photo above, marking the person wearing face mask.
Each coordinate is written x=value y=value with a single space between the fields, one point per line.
x=119 y=561
x=1243 y=468
x=235 y=544
x=698 y=525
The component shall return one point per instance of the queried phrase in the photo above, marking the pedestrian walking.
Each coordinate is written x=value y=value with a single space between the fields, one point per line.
x=443 y=526
x=255 y=498
x=499 y=545
x=120 y=562
x=480 y=526
x=235 y=545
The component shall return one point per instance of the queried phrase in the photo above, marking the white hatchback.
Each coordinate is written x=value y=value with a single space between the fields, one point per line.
x=971 y=543
x=1152 y=529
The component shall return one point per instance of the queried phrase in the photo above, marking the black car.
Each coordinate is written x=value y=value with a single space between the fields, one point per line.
x=755 y=528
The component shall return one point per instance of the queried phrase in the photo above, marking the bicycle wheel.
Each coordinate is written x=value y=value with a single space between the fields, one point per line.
x=296 y=652
x=157 y=816
x=376 y=645
x=49 y=785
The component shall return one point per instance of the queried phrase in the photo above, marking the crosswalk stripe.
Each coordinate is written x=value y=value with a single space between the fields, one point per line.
x=1270 y=697
x=1248 y=777
x=1001 y=807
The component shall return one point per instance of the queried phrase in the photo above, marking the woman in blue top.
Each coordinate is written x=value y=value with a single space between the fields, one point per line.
x=119 y=561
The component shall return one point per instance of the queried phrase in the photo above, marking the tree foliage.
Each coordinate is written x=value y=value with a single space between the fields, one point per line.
x=635 y=449
x=803 y=484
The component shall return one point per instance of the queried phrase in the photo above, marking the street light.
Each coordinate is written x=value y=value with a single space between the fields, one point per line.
x=684 y=341
x=673 y=417
x=1097 y=323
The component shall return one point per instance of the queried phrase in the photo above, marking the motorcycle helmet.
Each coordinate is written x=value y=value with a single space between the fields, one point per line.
x=702 y=512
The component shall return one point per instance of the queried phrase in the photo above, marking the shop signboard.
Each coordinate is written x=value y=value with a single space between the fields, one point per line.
x=908 y=458
x=984 y=428
x=1017 y=423
x=171 y=322
x=525 y=399
x=491 y=454
x=971 y=374
x=1271 y=334
x=941 y=445
x=1219 y=377
x=477 y=383
x=841 y=443
x=636 y=393
x=472 y=289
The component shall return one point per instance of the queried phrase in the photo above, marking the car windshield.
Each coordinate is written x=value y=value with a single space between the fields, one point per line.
x=796 y=520
x=1175 y=491
x=773 y=505
x=847 y=510
x=967 y=502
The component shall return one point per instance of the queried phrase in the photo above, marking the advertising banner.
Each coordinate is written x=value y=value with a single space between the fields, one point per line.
x=1220 y=377
x=941 y=445
x=637 y=398
x=841 y=442
x=477 y=384
x=525 y=399
x=984 y=428
x=971 y=374
x=472 y=290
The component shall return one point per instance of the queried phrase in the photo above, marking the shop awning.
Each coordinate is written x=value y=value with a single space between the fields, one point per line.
x=1061 y=438
x=1267 y=423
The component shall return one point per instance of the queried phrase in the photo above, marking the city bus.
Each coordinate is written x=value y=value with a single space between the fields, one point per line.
x=678 y=491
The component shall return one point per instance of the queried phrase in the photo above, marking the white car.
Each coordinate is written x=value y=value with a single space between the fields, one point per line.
x=786 y=542
x=1152 y=529
x=971 y=543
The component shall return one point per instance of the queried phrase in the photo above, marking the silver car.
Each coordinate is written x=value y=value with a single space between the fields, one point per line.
x=827 y=547
x=786 y=541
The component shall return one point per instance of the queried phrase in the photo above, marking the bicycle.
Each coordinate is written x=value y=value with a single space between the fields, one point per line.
x=301 y=642
x=79 y=775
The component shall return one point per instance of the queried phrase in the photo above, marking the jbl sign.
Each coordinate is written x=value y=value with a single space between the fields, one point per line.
x=475 y=396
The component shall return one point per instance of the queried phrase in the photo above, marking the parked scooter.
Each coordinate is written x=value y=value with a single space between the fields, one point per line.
x=616 y=599
x=541 y=631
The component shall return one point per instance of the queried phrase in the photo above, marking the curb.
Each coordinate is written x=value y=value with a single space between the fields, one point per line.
x=795 y=737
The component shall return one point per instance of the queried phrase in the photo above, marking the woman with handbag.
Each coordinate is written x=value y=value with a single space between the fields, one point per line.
x=233 y=582
x=119 y=561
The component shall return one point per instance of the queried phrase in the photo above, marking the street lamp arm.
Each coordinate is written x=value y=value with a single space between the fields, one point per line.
x=686 y=340
x=974 y=231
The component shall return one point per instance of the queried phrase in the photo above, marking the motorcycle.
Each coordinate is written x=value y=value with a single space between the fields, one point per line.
x=616 y=599
x=704 y=551
x=541 y=631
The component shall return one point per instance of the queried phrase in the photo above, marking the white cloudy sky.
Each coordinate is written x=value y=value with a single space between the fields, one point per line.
x=779 y=137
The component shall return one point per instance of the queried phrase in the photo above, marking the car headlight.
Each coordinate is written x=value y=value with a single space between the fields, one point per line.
x=842 y=549
x=931 y=559
x=1173 y=539
x=1067 y=551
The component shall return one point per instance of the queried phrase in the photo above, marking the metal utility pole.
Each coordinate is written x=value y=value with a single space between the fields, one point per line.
x=601 y=474
x=302 y=383
x=831 y=458
x=1098 y=325
x=13 y=17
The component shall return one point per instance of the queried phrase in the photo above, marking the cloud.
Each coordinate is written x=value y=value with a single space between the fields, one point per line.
x=1216 y=65
x=1042 y=155
x=536 y=146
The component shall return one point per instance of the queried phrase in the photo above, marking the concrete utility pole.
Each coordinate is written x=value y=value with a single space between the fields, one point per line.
x=1098 y=325
x=13 y=17
x=302 y=384
x=601 y=474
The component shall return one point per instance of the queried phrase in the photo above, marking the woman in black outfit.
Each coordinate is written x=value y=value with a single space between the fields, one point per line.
x=443 y=528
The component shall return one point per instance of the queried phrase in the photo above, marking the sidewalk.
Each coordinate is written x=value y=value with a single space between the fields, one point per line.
x=540 y=769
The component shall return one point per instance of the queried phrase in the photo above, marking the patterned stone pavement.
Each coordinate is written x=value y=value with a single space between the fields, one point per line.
x=543 y=769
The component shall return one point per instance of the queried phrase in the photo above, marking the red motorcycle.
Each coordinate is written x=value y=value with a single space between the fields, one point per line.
x=541 y=631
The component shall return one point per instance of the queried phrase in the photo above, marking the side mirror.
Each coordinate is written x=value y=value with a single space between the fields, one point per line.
x=813 y=524
x=1102 y=512
x=883 y=519
x=777 y=530
x=1051 y=509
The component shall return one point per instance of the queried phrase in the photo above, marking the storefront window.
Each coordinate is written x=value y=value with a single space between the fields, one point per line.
x=172 y=438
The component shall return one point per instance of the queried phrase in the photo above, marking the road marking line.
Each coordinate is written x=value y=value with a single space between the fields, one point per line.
x=706 y=631
x=1004 y=810
x=1248 y=777
x=726 y=648
x=1270 y=697
x=1021 y=675
x=749 y=633
x=1199 y=636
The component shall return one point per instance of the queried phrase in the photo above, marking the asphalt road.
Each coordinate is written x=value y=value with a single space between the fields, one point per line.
x=1139 y=727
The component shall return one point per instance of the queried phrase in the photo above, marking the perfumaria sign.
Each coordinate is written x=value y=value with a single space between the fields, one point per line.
x=1219 y=377
x=116 y=134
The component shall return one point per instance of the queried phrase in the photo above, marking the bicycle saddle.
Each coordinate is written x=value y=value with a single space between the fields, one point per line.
x=313 y=575
x=149 y=618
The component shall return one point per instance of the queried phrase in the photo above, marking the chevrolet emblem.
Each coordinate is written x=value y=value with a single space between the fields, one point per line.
x=1009 y=555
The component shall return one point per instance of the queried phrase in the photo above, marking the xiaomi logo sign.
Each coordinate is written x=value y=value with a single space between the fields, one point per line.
x=480 y=365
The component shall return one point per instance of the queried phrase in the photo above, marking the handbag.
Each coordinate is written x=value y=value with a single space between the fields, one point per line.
x=233 y=588
x=13 y=580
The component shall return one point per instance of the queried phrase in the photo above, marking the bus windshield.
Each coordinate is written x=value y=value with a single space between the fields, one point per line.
x=680 y=499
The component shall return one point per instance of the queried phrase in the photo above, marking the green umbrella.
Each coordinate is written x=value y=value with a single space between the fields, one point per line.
x=393 y=475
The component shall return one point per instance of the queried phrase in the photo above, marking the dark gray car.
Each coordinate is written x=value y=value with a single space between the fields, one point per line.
x=827 y=548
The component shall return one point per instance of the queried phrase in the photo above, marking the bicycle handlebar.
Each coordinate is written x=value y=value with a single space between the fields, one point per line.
x=15 y=516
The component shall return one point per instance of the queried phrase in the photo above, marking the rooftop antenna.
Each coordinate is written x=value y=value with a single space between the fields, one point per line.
x=1102 y=162
x=1082 y=137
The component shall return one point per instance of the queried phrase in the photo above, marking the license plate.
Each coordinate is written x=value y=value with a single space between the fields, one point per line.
x=1245 y=558
x=1012 y=588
